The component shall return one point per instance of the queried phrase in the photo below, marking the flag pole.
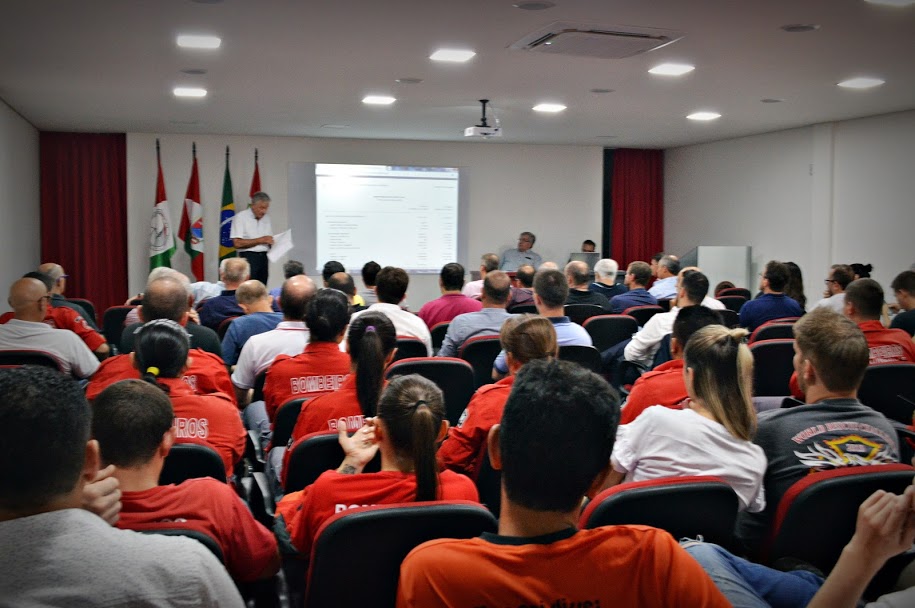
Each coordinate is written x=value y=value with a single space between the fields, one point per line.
x=158 y=153
x=194 y=150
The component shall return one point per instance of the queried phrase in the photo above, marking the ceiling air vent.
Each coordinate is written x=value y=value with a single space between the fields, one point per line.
x=584 y=40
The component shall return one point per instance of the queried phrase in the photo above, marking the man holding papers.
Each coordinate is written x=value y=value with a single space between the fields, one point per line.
x=252 y=235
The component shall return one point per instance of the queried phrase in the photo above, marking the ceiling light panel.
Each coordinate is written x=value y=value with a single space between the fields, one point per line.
x=189 y=92
x=861 y=83
x=452 y=55
x=704 y=116
x=378 y=100
x=199 y=42
x=899 y=3
x=550 y=108
x=672 y=69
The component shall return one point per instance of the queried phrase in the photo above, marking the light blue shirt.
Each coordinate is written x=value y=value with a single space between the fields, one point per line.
x=567 y=334
x=512 y=259
x=486 y=322
x=664 y=289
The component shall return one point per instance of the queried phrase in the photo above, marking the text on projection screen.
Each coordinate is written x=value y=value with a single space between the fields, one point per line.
x=395 y=215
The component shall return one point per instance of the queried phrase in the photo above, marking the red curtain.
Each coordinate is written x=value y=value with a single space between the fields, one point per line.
x=637 y=205
x=84 y=213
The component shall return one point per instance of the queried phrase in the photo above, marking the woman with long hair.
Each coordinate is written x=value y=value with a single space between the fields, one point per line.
x=409 y=423
x=795 y=287
x=524 y=338
x=161 y=357
x=371 y=343
x=713 y=435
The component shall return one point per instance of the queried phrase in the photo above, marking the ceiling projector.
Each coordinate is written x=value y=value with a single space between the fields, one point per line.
x=483 y=129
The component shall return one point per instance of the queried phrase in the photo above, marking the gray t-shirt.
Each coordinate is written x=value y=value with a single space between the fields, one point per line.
x=815 y=437
x=73 y=558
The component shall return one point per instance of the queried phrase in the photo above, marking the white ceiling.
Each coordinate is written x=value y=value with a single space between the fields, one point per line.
x=289 y=67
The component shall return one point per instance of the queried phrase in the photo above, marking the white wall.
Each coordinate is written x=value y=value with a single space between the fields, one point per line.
x=511 y=188
x=19 y=198
x=818 y=195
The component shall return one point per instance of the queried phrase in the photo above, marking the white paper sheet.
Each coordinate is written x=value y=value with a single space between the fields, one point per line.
x=282 y=243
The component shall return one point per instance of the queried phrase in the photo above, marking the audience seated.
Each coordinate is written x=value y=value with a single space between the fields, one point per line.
x=637 y=276
x=321 y=367
x=524 y=338
x=550 y=293
x=840 y=275
x=523 y=254
x=577 y=275
x=59 y=278
x=291 y=268
x=523 y=292
x=232 y=272
x=773 y=303
x=56 y=554
x=487 y=321
x=795 y=287
x=133 y=424
x=712 y=434
x=166 y=298
x=833 y=429
x=903 y=287
x=369 y=272
x=161 y=357
x=664 y=385
x=391 y=289
x=538 y=558
x=27 y=329
x=259 y=317
x=452 y=302
x=488 y=263
x=666 y=285
x=605 y=279
x=409 y=424
x=343 y=282
x=722 y=286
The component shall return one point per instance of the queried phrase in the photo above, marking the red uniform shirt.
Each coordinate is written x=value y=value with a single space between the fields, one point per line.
x=663 y=385
x=463 y=449
x=206 y=374
x=321 y=414
x=61 y=317
x=319 y=369
x=334 y=492
x=621 y=566
x=210 y=507
x=447 y=308
x=213 y=418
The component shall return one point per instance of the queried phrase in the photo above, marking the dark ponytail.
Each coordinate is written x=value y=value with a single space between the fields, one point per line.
x=161 y=351
x=412 y=409
x=371 y=339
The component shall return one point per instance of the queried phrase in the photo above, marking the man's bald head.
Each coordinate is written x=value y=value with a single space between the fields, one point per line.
x=56 y=272
x=577 y=274
x=250 y=292
x=295 y=295
x=497 y=288
x=165 y=298
x=28 y=299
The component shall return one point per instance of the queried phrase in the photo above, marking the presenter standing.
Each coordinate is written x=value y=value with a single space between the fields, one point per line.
x=252 y=235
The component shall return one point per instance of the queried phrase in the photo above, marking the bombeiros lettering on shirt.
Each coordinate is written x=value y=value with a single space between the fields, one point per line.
x=353 y=423
x=338 y=507
x=192 y=428
x=889 y=353
x=315 y=384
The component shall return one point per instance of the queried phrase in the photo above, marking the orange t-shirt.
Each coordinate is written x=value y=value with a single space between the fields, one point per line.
x=663 y=385
x=463 y=449
x=619 y=566
x=207 y=374
x=319 y=369
x=61 y=317
x=213 y=418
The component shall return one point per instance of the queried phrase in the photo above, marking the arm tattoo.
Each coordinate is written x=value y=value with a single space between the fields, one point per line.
x=348 y=469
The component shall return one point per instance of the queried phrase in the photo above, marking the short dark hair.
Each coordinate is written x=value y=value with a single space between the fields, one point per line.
x=866 y=295
x=589 y=242
x=327 y=315
x=578 y=272
x=452 y=276
x=835 y=346
x=41 y=276
x=777 y=274
x=342 y=281
x=293 y=268
x=391 y=284
x=842 y=274
x=331 y=268
x=531 y=235
x=497 y=287
x=640 y=271
x=691 y=319
x=557 y=433
x=671 y=263
x=695 y=284
x=525 y=275
x=904 y=281
x=44 y=418
x=165 y=298
x=370 y=270
x=489 y=262
x=129 y=419
x=552 y=287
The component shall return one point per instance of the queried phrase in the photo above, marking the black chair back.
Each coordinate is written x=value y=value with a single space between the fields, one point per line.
x=438 y=332
x=204 y=539
x=257 y=394
x=189 y=461
x=314 y=454
x=481 y=353
x=704 y=505
x=579 y=313
x=409 y=347
x=284 y=423
x=734 y=303
x=523 y=309
x=113 y=323
x=489 y=484
x=16 y=358
x=453 y=376
x=772 y=368
x=736 y=291
x=610 y=330
x=772 y=331
x=642 y=313
x=88 y=306
x=224 y=327
x=586 y=356
x=890 y=389
x=729 y=318
x=665 y=304
x=340 y=548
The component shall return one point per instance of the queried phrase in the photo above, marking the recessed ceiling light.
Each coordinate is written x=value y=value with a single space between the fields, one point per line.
x=800 y=28
x=199 y=42
x=408 y=80
x=549 y=107
x=378 y=100
x=771 y=100
x=453 y=55
x=335 y=126
x=189 y=92
x=891 y=2
x=861 y=83
x=601 y=91
x=194 y=71
x=704 y=116
x=672 y=69
x=533 y=5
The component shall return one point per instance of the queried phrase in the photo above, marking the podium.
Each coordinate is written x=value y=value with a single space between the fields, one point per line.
x=723 y=263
